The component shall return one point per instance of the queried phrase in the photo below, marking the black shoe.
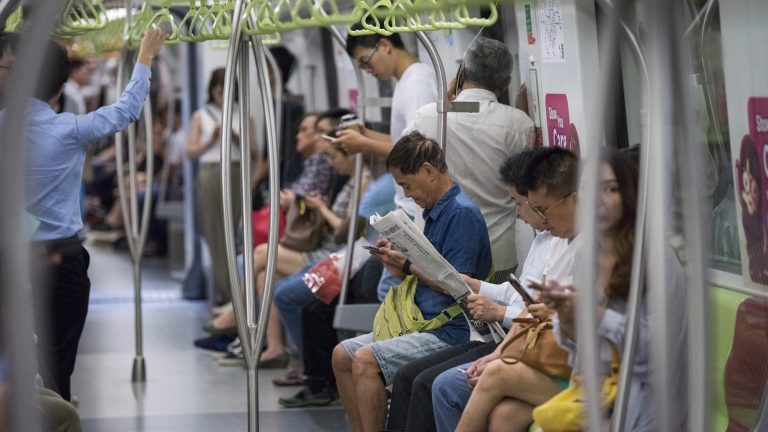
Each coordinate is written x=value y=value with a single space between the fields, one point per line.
x=216 y=343
x=306 y=398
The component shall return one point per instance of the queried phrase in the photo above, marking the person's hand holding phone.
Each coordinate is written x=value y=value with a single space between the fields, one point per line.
x=351 y=140
x=315 y=201
x=392 y=258
x=561 y=298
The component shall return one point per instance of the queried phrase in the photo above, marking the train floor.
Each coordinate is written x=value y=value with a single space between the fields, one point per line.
x=186 y=390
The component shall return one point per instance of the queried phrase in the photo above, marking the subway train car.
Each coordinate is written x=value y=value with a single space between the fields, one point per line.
x=367 y=215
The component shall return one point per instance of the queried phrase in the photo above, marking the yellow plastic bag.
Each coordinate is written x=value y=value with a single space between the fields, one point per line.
x=565 y=411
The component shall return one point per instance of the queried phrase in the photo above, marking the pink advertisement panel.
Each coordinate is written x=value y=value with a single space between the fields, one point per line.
x=561 y=132
x=752 y=188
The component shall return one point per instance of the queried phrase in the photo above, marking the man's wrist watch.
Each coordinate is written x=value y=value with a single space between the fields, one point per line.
x=407 y=267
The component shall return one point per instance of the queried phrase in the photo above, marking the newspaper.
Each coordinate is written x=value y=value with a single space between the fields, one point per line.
x=406 y=237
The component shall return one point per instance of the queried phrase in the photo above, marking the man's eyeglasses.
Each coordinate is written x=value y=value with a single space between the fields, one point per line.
x=365 y=62
x=541 y=211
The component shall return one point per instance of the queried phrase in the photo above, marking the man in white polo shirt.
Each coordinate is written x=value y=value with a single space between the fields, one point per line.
x=477 y=141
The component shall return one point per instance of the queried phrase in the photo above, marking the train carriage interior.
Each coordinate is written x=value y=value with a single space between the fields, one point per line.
x=383 y=215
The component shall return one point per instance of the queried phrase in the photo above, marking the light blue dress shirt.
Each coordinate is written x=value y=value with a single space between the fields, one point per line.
x=55 y=155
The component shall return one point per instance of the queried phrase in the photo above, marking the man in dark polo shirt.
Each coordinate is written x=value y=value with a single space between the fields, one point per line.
x=455 y=227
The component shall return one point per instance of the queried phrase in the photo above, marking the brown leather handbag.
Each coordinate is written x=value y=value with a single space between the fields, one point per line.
x=304 y=228
x=534 y=345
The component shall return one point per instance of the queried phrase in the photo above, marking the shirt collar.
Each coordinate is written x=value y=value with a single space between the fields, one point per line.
x=442 y=203
x=476 y=94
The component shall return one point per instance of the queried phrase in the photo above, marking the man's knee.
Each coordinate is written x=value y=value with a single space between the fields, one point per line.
x=422 y=384
x=341 y=360
x=446 y=385
x=364 y=363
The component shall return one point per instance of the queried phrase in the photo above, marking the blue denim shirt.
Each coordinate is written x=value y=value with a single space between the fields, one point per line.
x=56 y=146
x=456 y=228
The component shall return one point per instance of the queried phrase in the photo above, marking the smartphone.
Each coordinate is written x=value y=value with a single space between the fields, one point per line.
x=534 y=281
x=372 y=248
x=527 y=299
x=464 y=371
x=328 y=137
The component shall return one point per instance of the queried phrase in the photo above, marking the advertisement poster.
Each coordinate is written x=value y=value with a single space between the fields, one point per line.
x=752 y=188
x=561 y=132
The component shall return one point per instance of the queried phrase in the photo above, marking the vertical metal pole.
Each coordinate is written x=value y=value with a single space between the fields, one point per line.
x=661 y=59
x=311 y=93
x=136 y=228
x=274 y=179
x=637 y=277
x=697 y=235
x=357 y=187
x=245 y=325
x=245 y=172
x=586 y=326
x=278 y=92
x=442 y=88
x=16 y=305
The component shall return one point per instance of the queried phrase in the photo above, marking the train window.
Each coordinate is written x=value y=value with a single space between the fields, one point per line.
x=707 y=53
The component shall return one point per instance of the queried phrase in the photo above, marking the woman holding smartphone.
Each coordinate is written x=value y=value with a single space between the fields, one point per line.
x=616 y=212
x=509 y=388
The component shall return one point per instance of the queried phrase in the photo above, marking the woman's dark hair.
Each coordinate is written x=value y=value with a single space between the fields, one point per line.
x=217 y=79
x=333 y=114
x=285 y=61
x=55 y=72
x=626 y=172
x=414 y=150
x=370 y=41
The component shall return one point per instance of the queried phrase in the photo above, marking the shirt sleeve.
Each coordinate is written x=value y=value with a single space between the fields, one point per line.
x=113 y=118
x=503 y=293
x=315 y=177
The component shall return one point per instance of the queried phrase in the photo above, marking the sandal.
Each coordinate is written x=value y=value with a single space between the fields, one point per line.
x=292 y=378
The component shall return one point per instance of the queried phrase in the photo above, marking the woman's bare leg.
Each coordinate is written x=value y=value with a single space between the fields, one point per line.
x=499 y=381
x=275 y=345
x=510 y=415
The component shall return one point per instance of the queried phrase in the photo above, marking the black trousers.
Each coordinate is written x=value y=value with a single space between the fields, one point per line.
x=411 y=406
x=320 y=338
x=61 y=305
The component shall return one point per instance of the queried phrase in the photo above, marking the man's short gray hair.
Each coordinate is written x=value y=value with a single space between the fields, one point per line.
x=488 y=63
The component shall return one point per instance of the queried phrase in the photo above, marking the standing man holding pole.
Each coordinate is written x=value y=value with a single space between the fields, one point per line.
x=55 y=153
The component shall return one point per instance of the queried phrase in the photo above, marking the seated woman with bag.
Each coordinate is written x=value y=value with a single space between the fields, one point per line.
x=616 y=211
x=513 y=391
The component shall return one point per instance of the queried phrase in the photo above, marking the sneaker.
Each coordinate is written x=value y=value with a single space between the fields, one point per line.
x=230 y=359
x=216 y=343
x=234 y=355
x=306 y=398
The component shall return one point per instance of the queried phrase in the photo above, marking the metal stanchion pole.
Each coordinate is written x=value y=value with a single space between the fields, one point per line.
x=442 y=88
x=356 y=191
x=16 y=305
